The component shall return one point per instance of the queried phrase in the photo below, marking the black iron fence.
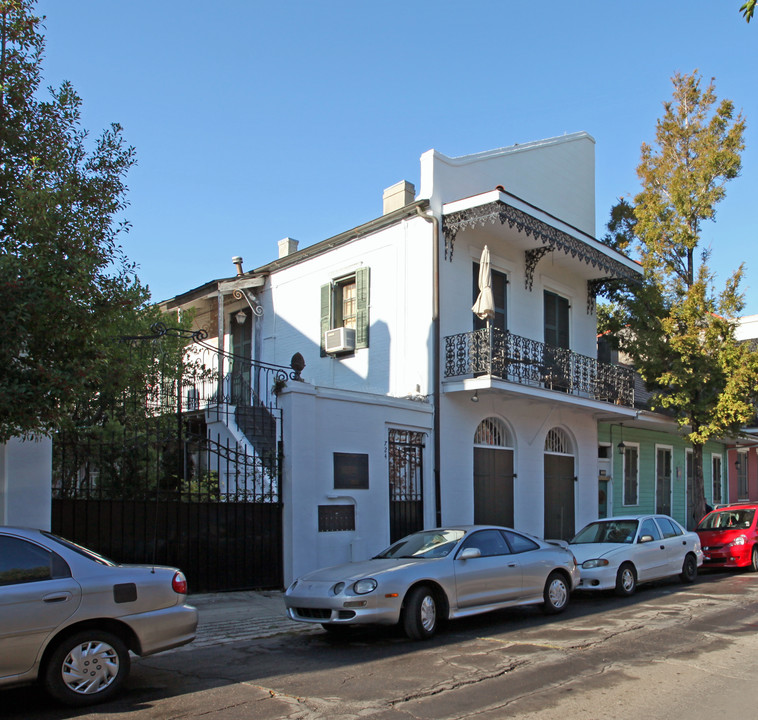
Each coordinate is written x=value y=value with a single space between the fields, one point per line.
x=174 y=473
x=503 y=355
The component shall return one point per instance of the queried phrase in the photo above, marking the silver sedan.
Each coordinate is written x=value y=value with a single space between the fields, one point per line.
x=434 y=575
x=69 y=617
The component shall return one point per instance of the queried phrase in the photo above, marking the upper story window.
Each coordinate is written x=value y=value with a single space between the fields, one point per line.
x=345 y=304
x=556 y=320
x=499 y=288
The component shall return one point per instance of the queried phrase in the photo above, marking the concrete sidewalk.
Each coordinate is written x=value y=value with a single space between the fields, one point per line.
x=234 y=616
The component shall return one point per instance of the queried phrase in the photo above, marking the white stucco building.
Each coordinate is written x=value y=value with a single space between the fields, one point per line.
x=413 y=412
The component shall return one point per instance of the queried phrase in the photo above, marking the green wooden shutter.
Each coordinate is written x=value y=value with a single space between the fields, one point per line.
x=556 y=320
x=362 y=283
x=551 y=322
x=562 y=313
x=326 y=313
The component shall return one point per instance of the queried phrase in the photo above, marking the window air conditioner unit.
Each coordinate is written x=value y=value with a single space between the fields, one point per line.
x=339 y=340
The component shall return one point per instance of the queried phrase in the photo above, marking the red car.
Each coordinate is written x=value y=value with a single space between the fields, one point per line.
x=729 y=537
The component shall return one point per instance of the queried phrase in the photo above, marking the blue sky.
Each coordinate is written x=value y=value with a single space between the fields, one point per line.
x=254 y=121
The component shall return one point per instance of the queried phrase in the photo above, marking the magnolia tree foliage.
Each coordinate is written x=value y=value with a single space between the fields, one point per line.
x=676 y=325
x=66 y=288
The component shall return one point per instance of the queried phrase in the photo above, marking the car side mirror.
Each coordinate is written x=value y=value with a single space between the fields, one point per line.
x=646 y=538
x=469 y=553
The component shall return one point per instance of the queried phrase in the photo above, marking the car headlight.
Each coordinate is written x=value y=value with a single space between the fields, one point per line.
x=740 y=540
x=595 y=562
x=364 y=586
x=338 y=588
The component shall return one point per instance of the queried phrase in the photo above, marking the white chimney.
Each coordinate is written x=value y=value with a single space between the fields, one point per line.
x=397 y=196
x=287 y=247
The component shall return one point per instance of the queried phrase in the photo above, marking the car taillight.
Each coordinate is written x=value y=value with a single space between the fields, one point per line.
x=179 y=583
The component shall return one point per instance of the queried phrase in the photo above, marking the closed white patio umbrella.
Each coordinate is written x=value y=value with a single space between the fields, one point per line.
x=484 y=306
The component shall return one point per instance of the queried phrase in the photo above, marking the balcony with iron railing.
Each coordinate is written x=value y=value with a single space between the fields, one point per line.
x=505 y=356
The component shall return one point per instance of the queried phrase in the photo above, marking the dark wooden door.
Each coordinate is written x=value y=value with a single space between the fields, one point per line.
x=559 y=497
x=493 y=486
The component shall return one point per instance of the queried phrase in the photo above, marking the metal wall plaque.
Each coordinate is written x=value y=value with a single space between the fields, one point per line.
x=350 y=471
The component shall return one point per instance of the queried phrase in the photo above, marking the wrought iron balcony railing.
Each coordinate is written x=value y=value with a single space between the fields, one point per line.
x=518 y=359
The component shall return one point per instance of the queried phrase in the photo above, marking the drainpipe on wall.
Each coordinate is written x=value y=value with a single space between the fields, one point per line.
x=435 y=360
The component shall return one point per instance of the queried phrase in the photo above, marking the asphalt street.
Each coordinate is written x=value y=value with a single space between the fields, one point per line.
x=672 y=651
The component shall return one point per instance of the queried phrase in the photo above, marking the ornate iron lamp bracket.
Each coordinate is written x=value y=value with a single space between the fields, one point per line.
x=250 y=299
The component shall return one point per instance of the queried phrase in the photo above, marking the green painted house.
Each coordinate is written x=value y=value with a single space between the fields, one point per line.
x=645 y=465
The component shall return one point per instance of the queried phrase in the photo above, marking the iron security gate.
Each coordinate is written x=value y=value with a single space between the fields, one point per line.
x=162 y=476
x=406 y=475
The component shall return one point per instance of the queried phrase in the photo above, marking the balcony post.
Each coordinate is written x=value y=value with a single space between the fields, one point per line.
x=489 y=342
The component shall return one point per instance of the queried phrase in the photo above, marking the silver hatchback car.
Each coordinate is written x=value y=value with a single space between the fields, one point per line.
x=69 y=617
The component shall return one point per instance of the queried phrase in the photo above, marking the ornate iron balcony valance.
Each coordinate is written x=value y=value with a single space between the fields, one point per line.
x=551 y=238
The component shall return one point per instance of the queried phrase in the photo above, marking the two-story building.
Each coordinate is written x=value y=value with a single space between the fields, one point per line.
x=412 y=411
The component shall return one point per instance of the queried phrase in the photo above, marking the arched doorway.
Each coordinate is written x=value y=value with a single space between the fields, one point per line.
x=493 y=473
x=559 y=485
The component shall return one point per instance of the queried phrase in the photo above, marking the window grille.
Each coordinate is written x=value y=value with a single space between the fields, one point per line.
x=557 y=441
x=492 y=432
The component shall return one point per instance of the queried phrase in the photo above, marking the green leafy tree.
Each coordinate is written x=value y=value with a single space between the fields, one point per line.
x=748 y=9
x=675 y=325
x=66 y=287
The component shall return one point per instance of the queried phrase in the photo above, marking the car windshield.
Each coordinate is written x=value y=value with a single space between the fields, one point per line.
x=426 y=544
x=727 y=519
x=90 y=554
x=607 y=531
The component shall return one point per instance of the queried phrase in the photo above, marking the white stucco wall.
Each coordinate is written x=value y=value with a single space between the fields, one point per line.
x=398 y=359
x=557 y=175
x=26 y=482
x=317 y=422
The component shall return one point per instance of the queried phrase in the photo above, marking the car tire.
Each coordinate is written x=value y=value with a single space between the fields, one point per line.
x=626 y=580
x=754 y=559
x=87 y=668
x=556 y=594
x=420 y=617
x=689 y=569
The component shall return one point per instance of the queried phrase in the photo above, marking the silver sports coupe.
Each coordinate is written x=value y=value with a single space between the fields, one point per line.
x=434 y=575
